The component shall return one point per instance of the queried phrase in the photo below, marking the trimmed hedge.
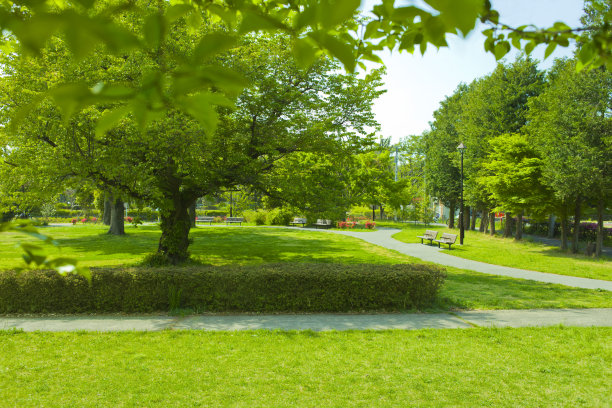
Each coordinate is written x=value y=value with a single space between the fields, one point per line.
x=231 y=288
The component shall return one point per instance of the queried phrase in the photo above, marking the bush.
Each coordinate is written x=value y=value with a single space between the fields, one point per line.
x=217 y=213
x=258 y=217
x=229 y=288
x=279 y=216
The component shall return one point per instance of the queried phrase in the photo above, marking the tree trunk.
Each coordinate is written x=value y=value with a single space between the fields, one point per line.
x=175 y=226
x=600 y=227
x=508 y=226
x=381 y=211
x=492 y=223
x=551 y=225
x=373 y=212
x=192 y=214
x=564 y=229
x=484 y=222
x=466 y=218
x=576 y=226
x=473 y=223
x=106 y=216
x=519 y=226
x=117 y=225
x=451 y=215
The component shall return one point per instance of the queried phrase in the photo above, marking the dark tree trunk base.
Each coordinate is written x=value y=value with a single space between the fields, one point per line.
x=117 y=226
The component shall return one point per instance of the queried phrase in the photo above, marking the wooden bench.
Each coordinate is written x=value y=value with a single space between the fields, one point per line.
x=234 y=220
x=447 y=239
x=323 y=223
x=297 y=221
x=209 y=220
x=428 y=235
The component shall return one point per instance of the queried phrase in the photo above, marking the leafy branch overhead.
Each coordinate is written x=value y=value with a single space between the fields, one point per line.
x=189 y=82
x=34 y=255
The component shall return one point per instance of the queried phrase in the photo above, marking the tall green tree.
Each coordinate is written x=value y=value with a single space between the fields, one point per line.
x=495 y=105
x=514 y=177
x=571 y=125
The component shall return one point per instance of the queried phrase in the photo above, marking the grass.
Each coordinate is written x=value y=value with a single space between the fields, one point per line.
x=555 y=366
x=508 y=252
x=93 y=247
x=462 y=290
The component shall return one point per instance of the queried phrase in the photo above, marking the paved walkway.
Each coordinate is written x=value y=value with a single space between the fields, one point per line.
x=383 y=237
x=318 y=322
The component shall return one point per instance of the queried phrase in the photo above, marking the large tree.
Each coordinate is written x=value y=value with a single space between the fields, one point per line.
x=175 y=159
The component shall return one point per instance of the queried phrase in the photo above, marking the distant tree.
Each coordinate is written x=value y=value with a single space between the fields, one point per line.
x=514 y=177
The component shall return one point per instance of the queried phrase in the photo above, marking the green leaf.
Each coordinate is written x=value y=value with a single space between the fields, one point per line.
x=407 y=15
x=71 y=98
x=110 y=118
x=343 y=52
x=177 y=11
x=549 y=50
x=501 y=49
x=201 y=107
x=154 y=28
x=334 y=13
x=304 y=52
x=212 y=44
x=460 y=15
x=252 y=21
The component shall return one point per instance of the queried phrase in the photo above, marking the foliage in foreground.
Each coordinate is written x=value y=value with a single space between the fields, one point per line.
x=526 y=367
x=251 y=288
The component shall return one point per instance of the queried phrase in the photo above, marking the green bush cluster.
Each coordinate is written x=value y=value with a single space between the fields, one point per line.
x=229 y=288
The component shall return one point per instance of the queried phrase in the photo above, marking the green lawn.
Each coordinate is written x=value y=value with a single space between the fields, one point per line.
x=508 y=252
x=462 y=290
x=526 y=367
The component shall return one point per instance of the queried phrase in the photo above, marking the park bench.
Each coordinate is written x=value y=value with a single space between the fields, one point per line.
x=297 y=220
x=446 y=239
x=234 y=220
x=209 y=220
x=323 y=223
x=428 y=235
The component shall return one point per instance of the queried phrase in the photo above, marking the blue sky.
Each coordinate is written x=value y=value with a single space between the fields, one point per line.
x=416 y=84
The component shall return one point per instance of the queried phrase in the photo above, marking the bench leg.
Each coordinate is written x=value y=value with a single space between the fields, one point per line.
x=421 y=241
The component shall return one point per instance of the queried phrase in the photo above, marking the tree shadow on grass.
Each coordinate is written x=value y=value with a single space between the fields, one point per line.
x=226 y=245
x=472 y=290
x=274 y=245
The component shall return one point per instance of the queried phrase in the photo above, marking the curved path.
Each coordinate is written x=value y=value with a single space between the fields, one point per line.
x=383 y=238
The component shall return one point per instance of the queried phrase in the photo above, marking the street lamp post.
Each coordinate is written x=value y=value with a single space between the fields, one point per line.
x=461 y=148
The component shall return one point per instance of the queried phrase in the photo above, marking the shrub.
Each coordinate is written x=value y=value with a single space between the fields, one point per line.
x=232 y=288
x=279 y=216
x=370 y=225
x=258 y=217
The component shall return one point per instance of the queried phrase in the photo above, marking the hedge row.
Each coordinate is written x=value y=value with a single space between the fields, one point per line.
x=251 y=288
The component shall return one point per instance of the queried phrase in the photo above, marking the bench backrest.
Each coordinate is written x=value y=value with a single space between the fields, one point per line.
x=430 y=234
x=205 y=218
x=299 y=220
x=325 y=222
x=234 y=219
x=451 y=238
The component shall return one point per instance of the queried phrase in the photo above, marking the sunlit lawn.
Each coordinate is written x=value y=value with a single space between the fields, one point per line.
x=462 y=290
x=527 y=367
x=508 y=252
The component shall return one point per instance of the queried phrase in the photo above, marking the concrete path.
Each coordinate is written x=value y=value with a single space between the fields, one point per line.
x=383 y=237
x=317 y=322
